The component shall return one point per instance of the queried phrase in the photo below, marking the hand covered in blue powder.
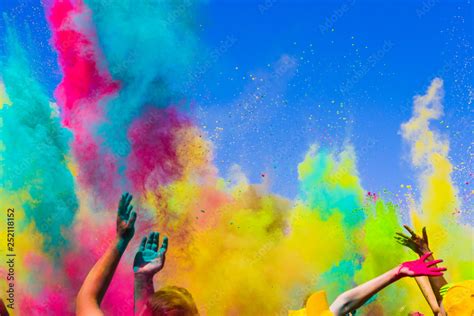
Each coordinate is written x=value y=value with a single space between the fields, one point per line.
x=149 y=260
x=125 y=219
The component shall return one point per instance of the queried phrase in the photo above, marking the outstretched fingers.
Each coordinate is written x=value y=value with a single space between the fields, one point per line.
x=128 y=210
x=156 y=240
x=122 y=200
x=412 y=233
x=404 y=241
x=432 y=263
x=436 y=271
x=128 y=199
x=402 y=236
x=444 y=289
x=142 y=244
x=436 y=274
x=425 y=235
x=400 y=239
x=125 y=208
x=149 y=242
x=152 y=242
x=132 y=219
x=120 y=206
x=426 y=255
x=164 y=246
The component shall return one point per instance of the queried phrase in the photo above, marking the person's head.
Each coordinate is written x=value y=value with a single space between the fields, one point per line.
x=458 y=300
x=172 y=301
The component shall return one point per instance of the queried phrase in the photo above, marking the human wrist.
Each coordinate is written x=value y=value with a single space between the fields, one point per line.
x=424 y=251
x=121 y=243
x=397 y=273
x=143 y=283
x=142 y=277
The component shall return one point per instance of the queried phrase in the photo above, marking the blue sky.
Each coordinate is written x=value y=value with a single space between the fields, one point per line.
x=353 y=68
x=389 y=51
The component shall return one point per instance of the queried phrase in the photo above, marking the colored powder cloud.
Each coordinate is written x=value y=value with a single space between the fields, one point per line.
x=81 y=95
x=34 y=150
x=36 y=185
x=237 y=247
x=439 y=204
x=150 y=48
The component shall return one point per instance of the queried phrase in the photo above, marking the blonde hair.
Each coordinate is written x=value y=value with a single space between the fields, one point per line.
x=172 y=298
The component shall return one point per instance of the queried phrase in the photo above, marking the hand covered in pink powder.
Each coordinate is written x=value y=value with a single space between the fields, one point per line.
x=420 y=267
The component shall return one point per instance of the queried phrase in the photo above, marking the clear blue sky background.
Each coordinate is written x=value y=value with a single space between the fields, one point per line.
x=389 y=50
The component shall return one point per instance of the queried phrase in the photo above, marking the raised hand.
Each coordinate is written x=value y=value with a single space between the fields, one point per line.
x=126 y=218
x=98 y=279
x=420 y=268
x=149 y=260
x=416 y=243
x=444 y=289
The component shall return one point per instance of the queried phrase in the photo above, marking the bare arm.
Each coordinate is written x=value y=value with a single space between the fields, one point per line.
x=143 y=290
x=148 y=261
x=351 y=300
x=356 y=297
x=425 y=288
x=420 y=246
x=437 y=283
x=98 y=279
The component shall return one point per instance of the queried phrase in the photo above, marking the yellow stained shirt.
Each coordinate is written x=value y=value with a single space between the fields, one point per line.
x=316 y=305
x=459 y=300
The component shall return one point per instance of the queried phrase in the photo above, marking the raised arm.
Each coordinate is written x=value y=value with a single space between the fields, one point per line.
x=148 y=261
x=420 y=246
x=98 y=279
x=351 y=300
x=425 y=288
